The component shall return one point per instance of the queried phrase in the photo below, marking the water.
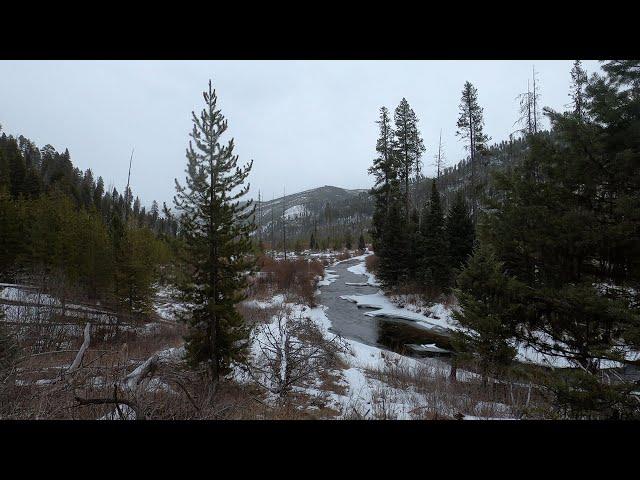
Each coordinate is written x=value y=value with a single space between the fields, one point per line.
x=350 y=322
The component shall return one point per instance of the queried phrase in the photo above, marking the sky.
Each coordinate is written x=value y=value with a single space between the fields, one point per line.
x=304 y=123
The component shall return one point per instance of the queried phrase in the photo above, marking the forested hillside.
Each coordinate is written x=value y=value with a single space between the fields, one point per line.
x=64 y=227
x=320 y=218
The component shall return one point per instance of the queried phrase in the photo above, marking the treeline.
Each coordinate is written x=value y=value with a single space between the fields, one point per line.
x=61 y=227
x=418 y=246
x=556 y=263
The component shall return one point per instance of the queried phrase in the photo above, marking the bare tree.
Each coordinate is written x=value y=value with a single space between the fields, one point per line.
x=439 y=157
x=291 y=350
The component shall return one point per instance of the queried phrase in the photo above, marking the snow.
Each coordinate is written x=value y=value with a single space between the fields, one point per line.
x=328 y=279
x=295 y=211
x=361 y=269
x=385 y=308
x=362 y=392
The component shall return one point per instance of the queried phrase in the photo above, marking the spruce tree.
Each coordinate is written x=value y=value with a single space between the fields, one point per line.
x=459 y=232
x=487 y=316
x=361 y=243
x=217 y=243
x=394 y=245
x=433 y=260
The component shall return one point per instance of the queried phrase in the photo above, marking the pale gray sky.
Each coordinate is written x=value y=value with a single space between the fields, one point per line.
x=305 y=123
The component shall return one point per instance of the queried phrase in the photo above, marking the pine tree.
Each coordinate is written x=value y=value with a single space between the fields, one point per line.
x=459 y=232
x=407 y=148
x=565 y=223
x=433 y=261
x=577 y=90
x=384 y=169
x=470 y=127
x=216 y=235
x=486 y=315
x=394 y=245
x=361 y=243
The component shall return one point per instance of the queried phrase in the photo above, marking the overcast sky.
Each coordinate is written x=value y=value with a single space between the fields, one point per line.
x=304 y=123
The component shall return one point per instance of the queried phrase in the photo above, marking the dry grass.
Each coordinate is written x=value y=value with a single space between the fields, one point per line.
x=430 y=393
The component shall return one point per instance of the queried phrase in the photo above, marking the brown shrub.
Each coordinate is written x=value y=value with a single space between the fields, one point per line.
x=296 y=277
x=372 y=262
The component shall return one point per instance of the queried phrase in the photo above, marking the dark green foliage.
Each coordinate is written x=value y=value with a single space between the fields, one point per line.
x=487 y=314
x=361 y=243
x=433 y=254
x=566 y=223
x=408 y=148
x=57 y=223
x=471 y=128
x=393 y=247
x=459 y=232
x=385 y=171
x=216 y=237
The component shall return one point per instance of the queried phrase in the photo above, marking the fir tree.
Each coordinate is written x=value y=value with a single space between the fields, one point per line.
x=433 y=260
x=459 y=231
x=486 y=315
x=361 y=243
x=216 y=235
x=348 y=240
x=394 y=245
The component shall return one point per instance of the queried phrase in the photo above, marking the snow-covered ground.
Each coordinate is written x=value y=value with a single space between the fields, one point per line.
x=440 y=317
x=385 y=308
x=360 y=393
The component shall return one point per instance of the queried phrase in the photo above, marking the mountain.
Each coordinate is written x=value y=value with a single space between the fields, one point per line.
x=333 y=213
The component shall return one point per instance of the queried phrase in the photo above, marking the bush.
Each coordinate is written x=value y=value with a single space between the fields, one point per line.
x=297 y=277
x=372 y=262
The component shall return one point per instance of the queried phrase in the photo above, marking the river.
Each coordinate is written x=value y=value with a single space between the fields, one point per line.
x=350 y=322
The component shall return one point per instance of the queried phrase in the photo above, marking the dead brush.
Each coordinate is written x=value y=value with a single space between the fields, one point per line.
x=372 y=262
x=427 y=388
x=297 y=277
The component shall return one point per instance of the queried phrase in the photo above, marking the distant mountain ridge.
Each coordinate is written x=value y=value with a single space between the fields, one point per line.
x=331 y=212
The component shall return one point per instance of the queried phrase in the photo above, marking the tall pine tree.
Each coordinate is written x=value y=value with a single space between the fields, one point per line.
x=408 y=147
x=215 y=230
x=471 y=128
